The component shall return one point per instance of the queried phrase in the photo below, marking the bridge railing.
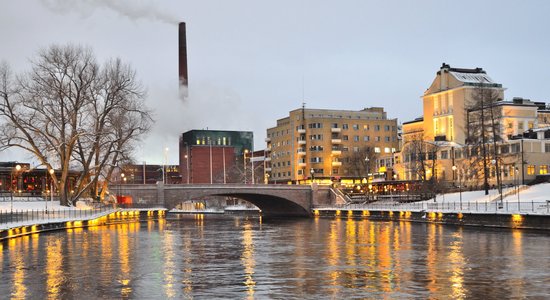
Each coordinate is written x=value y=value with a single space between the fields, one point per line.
x=532 y=207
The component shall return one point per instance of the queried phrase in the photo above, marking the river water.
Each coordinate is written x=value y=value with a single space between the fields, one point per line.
x=207 y=256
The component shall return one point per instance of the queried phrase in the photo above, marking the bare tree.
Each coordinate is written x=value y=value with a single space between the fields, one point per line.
x=73 y=114
x=483 y=129
x=361 y=162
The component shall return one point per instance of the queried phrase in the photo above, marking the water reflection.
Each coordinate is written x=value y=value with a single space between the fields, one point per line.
x=247 y=259
x=234 y=257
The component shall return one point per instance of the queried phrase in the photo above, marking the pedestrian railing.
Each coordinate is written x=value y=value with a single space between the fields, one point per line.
x=526 y=207
x=8 y=218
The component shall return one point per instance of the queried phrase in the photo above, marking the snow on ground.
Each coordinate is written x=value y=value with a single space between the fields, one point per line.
x=535 y=193
x=37 y=205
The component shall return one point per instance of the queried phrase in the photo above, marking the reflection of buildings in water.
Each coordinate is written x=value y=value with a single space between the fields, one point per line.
x=169 y=267
x=124 y=257
x=54 y=268
x=248 y=260
x=518 y=267
x=458 y=263
x=187 y=265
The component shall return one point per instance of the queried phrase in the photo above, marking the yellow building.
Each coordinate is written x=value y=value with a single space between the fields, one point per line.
x=327 y=144
x=439 y=137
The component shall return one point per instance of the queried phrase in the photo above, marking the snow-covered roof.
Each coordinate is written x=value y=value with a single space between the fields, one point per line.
x=472 y=77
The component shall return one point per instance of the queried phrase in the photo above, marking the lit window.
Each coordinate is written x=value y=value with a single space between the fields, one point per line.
x=530 y=170
x=376 y=149
x=386 y=150
x=543 y=170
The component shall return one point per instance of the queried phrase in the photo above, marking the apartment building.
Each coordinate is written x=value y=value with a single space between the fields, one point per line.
x=327 y=144
x=439 y=140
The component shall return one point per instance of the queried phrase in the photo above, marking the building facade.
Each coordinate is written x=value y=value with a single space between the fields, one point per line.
x=441 y=144
x=327 y=145
x=214 y=156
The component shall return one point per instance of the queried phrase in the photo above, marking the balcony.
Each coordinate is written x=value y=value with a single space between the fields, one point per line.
x=336 y=130
x=336 y=141
x=301 y=142
x=301 y=131
x=336 y=163
x=301 y=152
x=268 y=158
x=336 y=152
x=302 y=165
x=267 y=140
x=268 y=169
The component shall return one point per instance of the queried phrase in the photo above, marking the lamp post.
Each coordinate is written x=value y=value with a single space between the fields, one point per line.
x=516 y=173
x=252 y=165
x=51 y=171
x=368 y=171
x=459 y=186
x=164 y=163
x=245 y=152
x=312 y=172
x=494 y=163
x=17 y=169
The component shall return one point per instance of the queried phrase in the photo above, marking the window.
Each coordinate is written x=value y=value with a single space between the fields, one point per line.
x=345 y=126
x=355 y=127
x=515 y=148
x=355 y=149
x=316 y=137
x=335 y=171
x=543 y=170
x=530 y=170
x=504 y=149
x=316 y=148
x=356 y=138
x=316 y=160
x=387 y=139
x=377 y=139
x=377 y=127
x=376 y=149
x=366 y=127
x=444 y=154
x=300 y=172
x=315 y=125
x=386 y=150
x=345 y=137
x=334 y=125
x=387 y=127
x=520 y=126
x=547 y=148
x=366 y=138
x=345 y=149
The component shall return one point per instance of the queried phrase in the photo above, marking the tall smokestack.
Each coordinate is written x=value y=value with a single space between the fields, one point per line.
x=183 y=58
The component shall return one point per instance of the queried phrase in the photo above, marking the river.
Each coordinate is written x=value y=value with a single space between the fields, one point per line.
x=210 y=256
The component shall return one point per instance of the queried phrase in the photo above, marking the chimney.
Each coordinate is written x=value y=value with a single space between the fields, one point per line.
x=182 y=57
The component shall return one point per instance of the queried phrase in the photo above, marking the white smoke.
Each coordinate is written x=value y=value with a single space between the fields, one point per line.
x=134 y=9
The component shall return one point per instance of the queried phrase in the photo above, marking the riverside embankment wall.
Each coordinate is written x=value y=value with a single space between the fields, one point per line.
x=110 y=218
x=524 y=221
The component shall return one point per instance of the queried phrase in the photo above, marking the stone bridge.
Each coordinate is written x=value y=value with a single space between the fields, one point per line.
x=272 y=200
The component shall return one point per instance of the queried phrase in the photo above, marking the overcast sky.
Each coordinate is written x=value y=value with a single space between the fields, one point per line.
x=251 y=62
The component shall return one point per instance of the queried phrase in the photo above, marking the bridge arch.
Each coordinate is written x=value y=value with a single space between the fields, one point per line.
x=272 y=200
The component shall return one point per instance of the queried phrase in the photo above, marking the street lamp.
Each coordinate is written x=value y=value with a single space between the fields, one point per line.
x=368 y=171
x=516 y=173
x=494 y=163
x=245 y=152
x=17 y=169
x=51 y=171
x=164 y=163
x=459 y=187
x=312 y=172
